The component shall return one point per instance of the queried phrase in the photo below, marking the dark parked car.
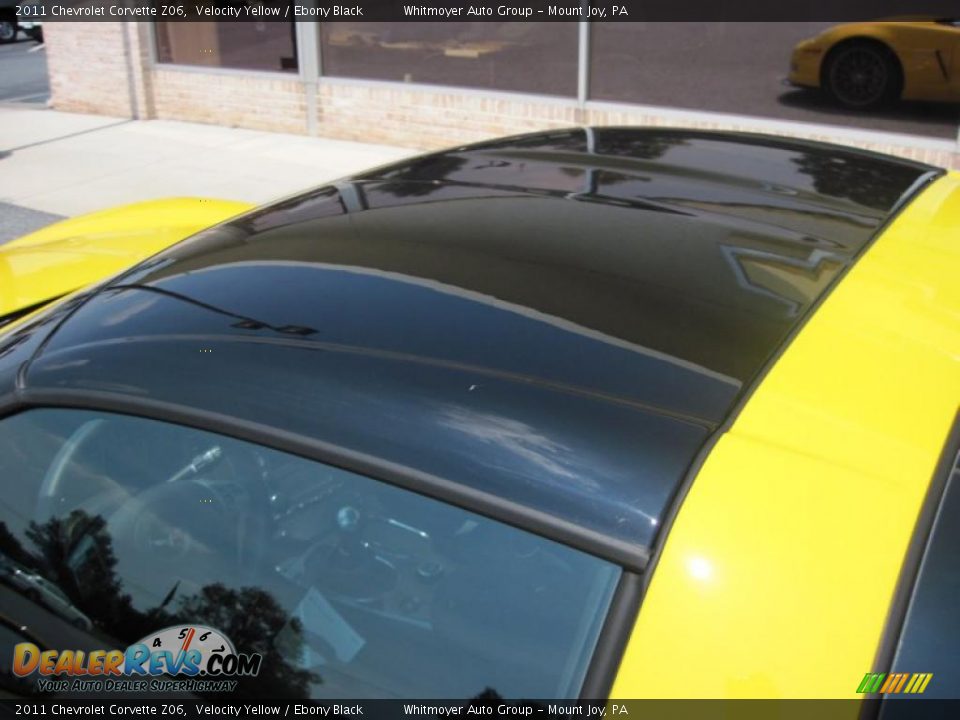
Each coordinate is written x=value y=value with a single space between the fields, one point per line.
x=8 y=21
x=31 y=22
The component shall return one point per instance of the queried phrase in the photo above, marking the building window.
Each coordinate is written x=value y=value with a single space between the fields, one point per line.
x=524 y=57
x=269 y=46
x=738 y=68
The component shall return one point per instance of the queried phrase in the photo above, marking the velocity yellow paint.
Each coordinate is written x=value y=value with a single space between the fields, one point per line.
x=777 y=576
x=80 y=251
x=926 y=51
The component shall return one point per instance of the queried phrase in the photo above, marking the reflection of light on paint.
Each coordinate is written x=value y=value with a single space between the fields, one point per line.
x=700 y=568
x=518 y=438
x=653 y=521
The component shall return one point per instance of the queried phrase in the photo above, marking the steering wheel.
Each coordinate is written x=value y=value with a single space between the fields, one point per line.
x=203 y=524
x=52 y=487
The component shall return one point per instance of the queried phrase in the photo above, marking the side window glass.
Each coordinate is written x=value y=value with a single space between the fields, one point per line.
x=136 y=530
x=10 y=637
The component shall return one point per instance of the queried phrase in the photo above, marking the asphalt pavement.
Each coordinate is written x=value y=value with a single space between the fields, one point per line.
x=23 y=73
x=16 y=221
x=23 y=82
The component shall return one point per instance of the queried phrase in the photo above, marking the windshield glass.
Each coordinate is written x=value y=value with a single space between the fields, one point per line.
x=343 y=586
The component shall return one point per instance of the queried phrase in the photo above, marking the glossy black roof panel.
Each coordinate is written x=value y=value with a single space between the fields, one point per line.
x=558 y=319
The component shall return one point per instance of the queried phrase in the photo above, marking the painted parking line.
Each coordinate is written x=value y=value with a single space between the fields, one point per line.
x=26 y=98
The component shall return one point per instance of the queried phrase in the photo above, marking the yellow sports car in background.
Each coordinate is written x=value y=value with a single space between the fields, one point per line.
x=865 y=65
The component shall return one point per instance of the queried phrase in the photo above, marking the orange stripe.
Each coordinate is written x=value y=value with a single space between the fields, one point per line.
x=891 y=679
x=187 y=639
x=903 y=679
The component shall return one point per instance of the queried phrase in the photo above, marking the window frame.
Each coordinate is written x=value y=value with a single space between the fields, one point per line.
x=920 y=542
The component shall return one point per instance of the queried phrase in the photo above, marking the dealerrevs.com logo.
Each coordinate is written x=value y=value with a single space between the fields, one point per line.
x=192 y=658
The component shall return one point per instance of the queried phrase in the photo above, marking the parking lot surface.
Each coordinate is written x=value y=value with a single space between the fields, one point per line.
x=23 y=73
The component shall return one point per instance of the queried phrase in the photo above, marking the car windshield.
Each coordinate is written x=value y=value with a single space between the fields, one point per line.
x=345 y=586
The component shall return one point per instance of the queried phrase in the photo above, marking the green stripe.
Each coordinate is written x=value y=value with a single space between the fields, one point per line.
x=863 y=683
x=877 y=682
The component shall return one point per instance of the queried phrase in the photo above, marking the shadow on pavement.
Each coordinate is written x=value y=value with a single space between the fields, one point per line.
x=16 y=221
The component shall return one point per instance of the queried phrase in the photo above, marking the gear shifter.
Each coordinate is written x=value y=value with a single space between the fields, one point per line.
x=348 y=518
x=350 y=549
x=351 y=567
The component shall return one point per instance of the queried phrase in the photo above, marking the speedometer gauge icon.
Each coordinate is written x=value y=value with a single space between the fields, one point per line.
x=181 y=639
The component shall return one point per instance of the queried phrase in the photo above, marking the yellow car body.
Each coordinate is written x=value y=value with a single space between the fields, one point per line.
x=846 y=446
x=927 y=53
x=74 y=253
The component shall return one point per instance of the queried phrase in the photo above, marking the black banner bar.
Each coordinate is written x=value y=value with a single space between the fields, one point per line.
x=888 y=709
x=507 y=10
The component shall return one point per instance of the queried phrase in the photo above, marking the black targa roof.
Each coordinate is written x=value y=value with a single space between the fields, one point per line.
x=559 y=320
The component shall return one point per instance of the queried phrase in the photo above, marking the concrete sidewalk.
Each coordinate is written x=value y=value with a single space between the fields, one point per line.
x=68 y=164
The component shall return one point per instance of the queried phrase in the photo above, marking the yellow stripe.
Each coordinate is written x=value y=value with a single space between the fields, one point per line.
x=926 y=681
x=804 y=509
x=912 y=684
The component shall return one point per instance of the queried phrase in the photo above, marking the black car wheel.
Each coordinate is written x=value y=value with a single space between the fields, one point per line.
x=862 y=75
x=8 y=28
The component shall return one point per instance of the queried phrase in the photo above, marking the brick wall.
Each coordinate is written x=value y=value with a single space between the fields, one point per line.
x=249 y=101
x=435 y=118
x=430 y=119
x=104 y=68
x=89 y=67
